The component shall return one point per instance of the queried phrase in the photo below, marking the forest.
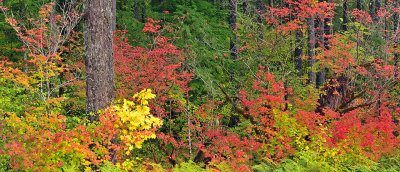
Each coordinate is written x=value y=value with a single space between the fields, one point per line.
x=199 y=85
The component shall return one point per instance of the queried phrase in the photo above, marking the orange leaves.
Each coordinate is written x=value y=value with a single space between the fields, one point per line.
x=14 y=74
x=46 y=10
x=55 y=100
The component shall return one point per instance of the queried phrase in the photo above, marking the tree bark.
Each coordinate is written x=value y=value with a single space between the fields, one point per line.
x=386 y=26
x=320 y=25
x=395 y=30
x=233 y=26
x=98 y=22
x=377 y=8
x=371 y=9
x=298 y=52
x=136 y=11
x=344 y=24
x=259 y=6
x=114 y=15
x=311 y=46
x=396 y=18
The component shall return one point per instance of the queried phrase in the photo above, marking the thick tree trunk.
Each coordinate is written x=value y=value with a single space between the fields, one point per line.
x=298 y=52
x=345 y=20
x=311 y=46
x=321 y=43
x=321 y=78
x=233 y=26
x=259 y=5
x=395 y=30
x=114 y=15
x=99 y=63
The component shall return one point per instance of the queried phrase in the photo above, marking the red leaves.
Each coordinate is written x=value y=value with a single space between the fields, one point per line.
x=338 y=57
x=361 y=16
x=274 y=13
x=151 y=26
x=291 y=18
x=157 y=68
x=362 y=131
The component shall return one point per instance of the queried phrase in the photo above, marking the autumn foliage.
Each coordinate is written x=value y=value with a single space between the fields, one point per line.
x=265 y=115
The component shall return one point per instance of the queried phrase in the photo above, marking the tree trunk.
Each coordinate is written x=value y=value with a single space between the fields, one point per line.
x=245 y=7
x=114 y=15
x=377 y=8
x=98 y=22
x=259 y=5
x=328 y=30
x=143 y=8
x=320 y=25
x=395 y=30
x=298 y=52
x=386 y=26
x=136 y=11
x=359 y=5
x=344 y=24
x=311 y=47
x=396 y=19
x=233 y=26
x=371 y=9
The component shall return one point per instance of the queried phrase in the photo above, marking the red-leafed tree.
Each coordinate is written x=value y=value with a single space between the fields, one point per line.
x=160 y=66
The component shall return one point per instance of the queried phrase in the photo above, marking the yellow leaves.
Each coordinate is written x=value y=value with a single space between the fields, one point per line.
x=86 y=163
x=46 y=66
x=135 y=121
x=144 y=95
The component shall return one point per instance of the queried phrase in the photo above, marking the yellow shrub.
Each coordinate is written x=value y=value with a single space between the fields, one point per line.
x=135 y=120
